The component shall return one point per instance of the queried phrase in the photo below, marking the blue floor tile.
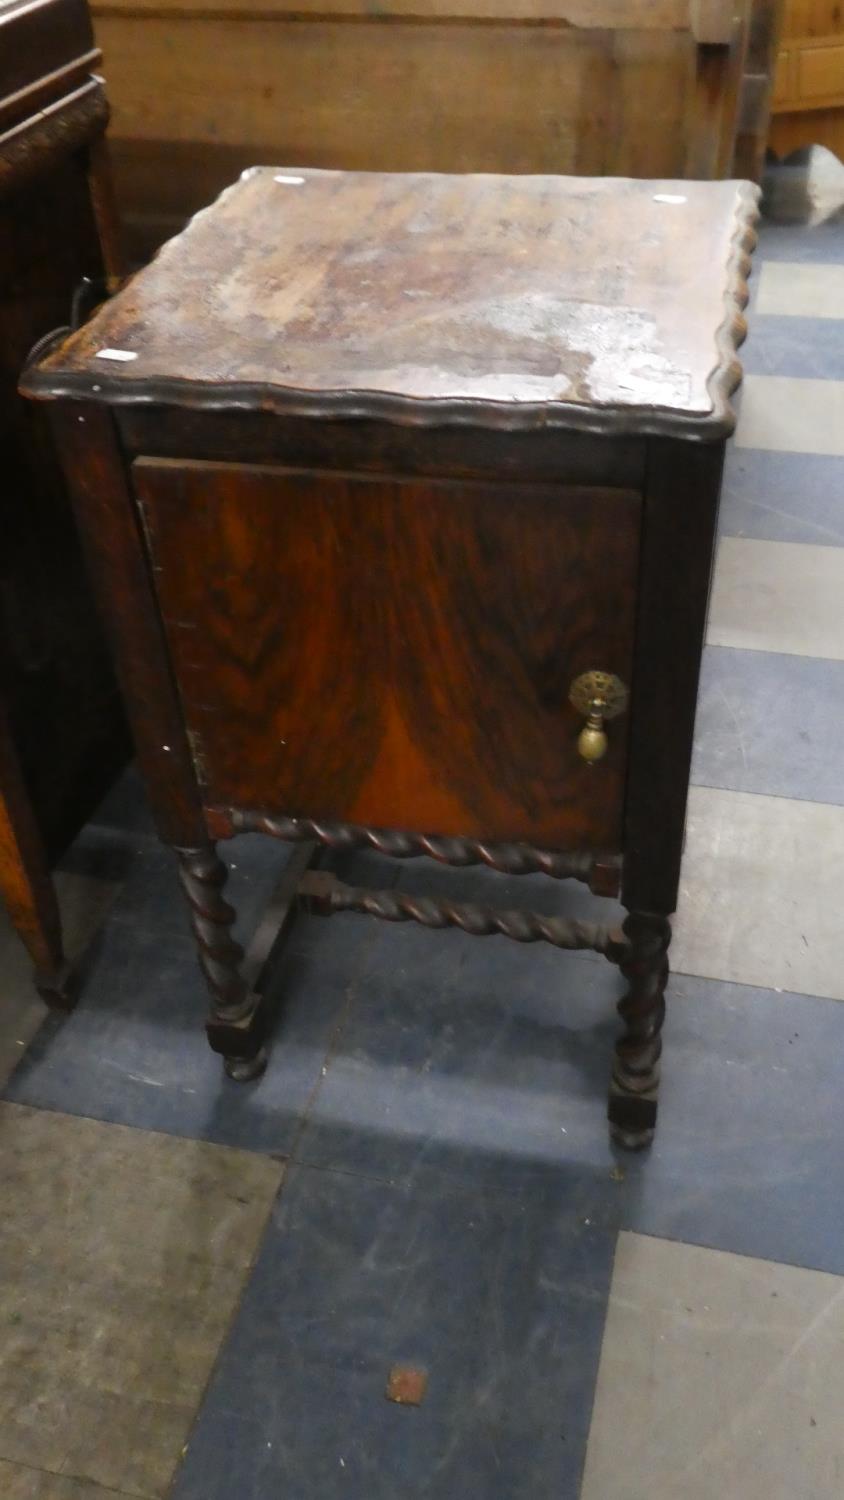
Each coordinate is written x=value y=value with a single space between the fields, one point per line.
x=748 y=1155
x=783 y=497
x=471 y=1070
x=822 y=244
x=770 y=724
x=134 y=1050
x=147 y=871
x=495 y=1281
x=501 y=1301
x=807 y=348
x=125 y=806
x=477 y=1059
x=152 y=895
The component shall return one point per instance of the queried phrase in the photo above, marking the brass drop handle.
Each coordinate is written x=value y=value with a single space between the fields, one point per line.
x=599 y=696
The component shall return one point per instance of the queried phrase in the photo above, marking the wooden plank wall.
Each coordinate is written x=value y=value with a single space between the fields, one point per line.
x=202 y=88
x=754 y=118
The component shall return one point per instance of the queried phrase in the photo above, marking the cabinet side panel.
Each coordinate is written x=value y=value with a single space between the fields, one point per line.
x=678 y=535
x=108 y=524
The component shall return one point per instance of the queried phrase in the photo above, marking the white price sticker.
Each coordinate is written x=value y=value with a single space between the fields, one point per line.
x=121 y=356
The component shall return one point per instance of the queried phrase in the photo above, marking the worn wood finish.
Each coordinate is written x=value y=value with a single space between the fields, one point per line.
x=393 y=716
x=64 y=732
x=355 y=547
x=502 y=302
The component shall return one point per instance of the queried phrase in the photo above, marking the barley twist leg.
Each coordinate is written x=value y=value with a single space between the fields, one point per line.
x=635 y=1075
x=234 y=1023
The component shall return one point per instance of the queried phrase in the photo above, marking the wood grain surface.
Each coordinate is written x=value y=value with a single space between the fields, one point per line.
x=396 y=653
x=501 y=301
x=582 y=15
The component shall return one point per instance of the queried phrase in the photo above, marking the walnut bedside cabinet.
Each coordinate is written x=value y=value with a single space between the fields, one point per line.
x=400 y=492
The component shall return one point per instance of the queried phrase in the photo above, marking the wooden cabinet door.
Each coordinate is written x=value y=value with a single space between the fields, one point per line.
x=396 y=652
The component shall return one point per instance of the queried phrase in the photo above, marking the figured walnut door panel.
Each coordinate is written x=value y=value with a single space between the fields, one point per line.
x=395 y=652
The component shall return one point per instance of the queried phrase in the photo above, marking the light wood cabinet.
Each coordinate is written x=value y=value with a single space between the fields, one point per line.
x=809 y=79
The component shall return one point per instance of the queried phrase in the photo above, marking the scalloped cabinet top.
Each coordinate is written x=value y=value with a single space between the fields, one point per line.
x=600 y=304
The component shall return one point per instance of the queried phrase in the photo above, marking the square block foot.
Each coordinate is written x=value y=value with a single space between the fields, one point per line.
x=238 y=1039
x=59 y=988
x=632 y=1117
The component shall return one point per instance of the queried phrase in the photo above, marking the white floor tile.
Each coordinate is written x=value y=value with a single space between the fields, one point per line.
x=788 y=415
x=720 y=1379
x=798 y=290
x=760 y=893
x=778 y=596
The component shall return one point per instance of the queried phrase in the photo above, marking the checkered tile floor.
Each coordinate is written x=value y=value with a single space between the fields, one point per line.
x=203 y=1287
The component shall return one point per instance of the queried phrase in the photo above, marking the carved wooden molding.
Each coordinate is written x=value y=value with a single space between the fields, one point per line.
x=203 y=876
x=505 y=416
x=642 y=1008
x=325 y=894
x=601 y=872
x=55 y=132
x=51 y=88
x=726 y=376
x=477 y=413
x=635 y=1075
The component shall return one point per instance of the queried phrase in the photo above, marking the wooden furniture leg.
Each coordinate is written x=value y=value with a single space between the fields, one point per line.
x=674 y=584
x=635 y=1075
x=25 y=883
x=232 y=1025
x=237 y=1024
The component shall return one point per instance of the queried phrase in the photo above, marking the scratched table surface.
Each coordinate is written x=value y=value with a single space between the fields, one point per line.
x=603 y=303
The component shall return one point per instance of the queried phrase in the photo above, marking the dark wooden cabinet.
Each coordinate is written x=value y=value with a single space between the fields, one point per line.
x=387 y=582
x=401 y=493
x=62 y=731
